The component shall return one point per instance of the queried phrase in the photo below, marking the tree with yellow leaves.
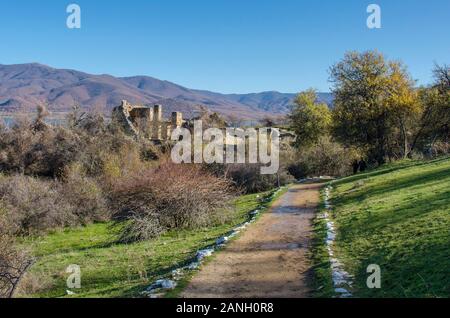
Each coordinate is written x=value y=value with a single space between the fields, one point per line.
x=375 y=103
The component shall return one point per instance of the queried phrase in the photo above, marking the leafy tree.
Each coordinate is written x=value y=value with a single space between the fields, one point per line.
x=435 y=118
x=309 y=119
x=403 y=103
x=374 y=103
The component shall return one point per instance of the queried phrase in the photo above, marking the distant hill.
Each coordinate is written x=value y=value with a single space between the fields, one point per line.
x=24 y=86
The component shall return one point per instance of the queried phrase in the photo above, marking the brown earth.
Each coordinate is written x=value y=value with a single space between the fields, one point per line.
x=270 y=259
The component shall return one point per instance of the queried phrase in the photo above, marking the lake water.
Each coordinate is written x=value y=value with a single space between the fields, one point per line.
x=9 y=121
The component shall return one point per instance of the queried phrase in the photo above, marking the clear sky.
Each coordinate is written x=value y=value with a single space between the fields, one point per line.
x=224 y=45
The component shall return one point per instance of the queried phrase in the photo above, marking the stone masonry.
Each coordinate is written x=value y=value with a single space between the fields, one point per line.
x=146 y=121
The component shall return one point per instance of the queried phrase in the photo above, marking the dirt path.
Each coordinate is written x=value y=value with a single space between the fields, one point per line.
x=270 y=258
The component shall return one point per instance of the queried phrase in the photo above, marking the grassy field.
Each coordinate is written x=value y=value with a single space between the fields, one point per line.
x=398 y=217
x=321 y=282
x=118 y=270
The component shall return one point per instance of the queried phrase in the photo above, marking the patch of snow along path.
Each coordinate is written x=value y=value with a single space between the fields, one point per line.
x=342 y=281
x=159 y=287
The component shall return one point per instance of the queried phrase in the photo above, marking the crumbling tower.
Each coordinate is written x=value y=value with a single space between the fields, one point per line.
x=147 y=121
x=157 y=122
x=177 y=119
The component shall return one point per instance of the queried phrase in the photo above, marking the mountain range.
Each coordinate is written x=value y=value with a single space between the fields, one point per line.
x=24 y=86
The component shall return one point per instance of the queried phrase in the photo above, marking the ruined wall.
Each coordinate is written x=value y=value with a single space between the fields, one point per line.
x=146 y=121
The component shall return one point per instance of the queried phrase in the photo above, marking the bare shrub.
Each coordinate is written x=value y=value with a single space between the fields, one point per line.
x=140 y=227
x=325 y=158
x=37 y=149
x=58 y=176
x=125 y=161
x=248 y=178
x=34 y=283
x=169 y=197
x=32 y=206
x=62 y=148
x=90 y=122
x=439 y=148
x=85 y=196
x=16 y=144
x=13 y=265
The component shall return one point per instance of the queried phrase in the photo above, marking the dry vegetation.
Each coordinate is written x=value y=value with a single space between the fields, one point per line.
x=13 y=265
x=325 y=158
x=90 y=171
x=169 y=197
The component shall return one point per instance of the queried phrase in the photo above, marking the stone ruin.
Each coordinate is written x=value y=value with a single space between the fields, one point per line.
x=147 y=121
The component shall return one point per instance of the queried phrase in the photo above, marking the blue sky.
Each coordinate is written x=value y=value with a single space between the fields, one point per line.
x=224 y=45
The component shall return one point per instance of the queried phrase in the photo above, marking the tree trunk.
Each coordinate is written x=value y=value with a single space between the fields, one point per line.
x=381 y=139
x=405 y=140
x=424 y=121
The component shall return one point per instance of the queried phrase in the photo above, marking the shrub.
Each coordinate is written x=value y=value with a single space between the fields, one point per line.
x=439 y=148
x=123 y=162
x=169 y=197
x=248 y=177
x=37 y=149
x=325 y=158
x=84 y=195
x=32 y=206
x=58 y=176
x=16 y=144
x=38 y=152
x=13 y=265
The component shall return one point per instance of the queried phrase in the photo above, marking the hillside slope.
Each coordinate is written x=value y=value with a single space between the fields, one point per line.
x=24 y=86
x=397 y=217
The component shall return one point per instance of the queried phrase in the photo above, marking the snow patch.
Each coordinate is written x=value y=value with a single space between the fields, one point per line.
x=157 y=289
x=342 y=280
x=159 y=286
x=204 y=253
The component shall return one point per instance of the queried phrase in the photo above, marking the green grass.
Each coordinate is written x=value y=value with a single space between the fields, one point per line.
x=398 y=217
x=321 y=283
x=109 y=269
